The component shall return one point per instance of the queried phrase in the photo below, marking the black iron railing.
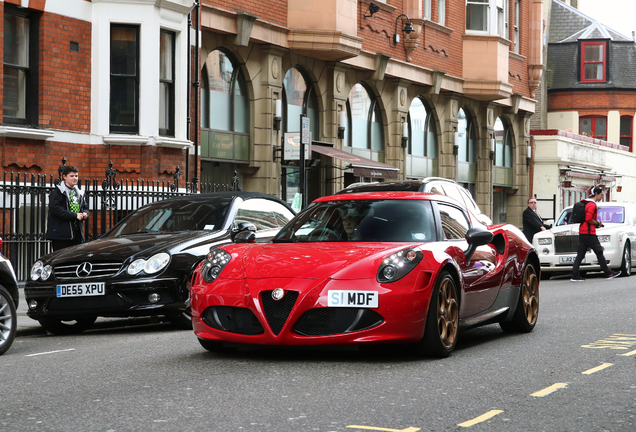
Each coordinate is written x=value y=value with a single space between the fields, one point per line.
x=25 y=207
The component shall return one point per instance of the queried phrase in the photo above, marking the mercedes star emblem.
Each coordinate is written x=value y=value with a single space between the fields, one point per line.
x=84 y=269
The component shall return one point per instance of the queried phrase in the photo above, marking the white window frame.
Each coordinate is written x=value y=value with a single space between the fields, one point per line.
x=441 y=12
x=517 y=21
x=497 y=17
x=427 y=9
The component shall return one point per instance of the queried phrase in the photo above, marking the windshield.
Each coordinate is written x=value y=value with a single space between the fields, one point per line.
x=175 y=215
x=362 y=221
x=614 y=214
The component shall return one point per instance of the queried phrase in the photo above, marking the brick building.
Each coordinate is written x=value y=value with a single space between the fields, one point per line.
x=391 y=89
x=587 y=137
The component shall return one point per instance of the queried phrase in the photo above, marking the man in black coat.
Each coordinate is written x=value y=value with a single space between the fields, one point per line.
x=532 y=222
x=67 y=211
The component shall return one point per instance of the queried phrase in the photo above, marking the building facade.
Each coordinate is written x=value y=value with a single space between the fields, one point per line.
x=387 y=89
x=590 y=85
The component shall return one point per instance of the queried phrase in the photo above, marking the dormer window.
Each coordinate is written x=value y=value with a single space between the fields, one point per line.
x=593 y=61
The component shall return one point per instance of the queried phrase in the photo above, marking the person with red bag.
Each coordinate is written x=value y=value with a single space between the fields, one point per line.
x=588 y=238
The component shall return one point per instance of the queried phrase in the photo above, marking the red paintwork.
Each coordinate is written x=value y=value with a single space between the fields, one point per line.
x=314 y=268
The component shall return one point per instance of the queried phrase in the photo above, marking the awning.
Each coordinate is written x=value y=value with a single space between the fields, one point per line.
x=362 y=167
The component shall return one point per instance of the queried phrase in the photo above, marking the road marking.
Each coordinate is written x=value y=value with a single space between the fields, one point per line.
x=408 y=429
x=49 y=352
x=546 y=391
x=631 y=353
x=597 y=368
x=481 y=418
x=617 y=341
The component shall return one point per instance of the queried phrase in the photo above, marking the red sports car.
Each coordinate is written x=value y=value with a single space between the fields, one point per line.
x=365 y=268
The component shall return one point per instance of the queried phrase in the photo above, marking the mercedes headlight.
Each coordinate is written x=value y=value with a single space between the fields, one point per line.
x=40 y=271
x=151 y=265
x=604 y=238
x=545 y=241
x=396 y=266
x=214 y=263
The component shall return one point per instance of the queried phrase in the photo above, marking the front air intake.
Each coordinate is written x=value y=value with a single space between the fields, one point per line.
x=277 y=311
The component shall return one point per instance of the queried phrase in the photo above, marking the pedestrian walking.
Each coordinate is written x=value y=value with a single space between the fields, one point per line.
x=67 y=211
x=588 y=238
x=532 y=222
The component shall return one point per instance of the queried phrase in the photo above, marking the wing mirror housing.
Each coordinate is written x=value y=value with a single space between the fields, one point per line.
x=241 y=233
x=476 y=237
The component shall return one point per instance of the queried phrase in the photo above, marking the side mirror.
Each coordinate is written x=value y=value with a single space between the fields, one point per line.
x=245 y=237
x=242 y=227
x=476 y=237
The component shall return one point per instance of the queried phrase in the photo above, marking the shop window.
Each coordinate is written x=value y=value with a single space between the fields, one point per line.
x=593 y=61
x=299 y=99
x=365 y=129
x=626 y=132
x=20 y=82
x=124 y=79
x=422 y=141
x=593 y=126
x=166 y=83
x=224 y=110
x=503 y=144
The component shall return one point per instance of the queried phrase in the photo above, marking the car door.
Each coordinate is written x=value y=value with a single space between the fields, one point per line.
x=480 y=279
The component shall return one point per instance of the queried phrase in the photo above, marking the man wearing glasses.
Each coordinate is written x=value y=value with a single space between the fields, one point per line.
x=532 y=222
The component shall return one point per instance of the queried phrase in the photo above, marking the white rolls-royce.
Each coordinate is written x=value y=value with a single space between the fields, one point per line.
x=557 y=246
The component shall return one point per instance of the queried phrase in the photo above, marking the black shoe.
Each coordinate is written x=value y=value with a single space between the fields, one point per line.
x=577 y=279
x=612 y=275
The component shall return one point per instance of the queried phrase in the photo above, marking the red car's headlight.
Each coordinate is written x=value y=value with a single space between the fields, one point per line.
x=214 y=263
x=399 y=264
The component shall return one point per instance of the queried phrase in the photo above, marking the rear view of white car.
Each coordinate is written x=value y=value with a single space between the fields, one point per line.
x=557 y=247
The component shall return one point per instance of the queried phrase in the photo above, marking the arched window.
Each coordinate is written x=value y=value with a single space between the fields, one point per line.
x=466 y=152
x=422 y=148
x=224 y=110
x=299 y=99
x=365 y=124
x=503 y=144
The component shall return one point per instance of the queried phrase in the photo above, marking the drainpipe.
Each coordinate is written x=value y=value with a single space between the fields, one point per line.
x=197 y=85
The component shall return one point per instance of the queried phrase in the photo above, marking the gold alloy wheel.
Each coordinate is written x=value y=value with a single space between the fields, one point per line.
x=530 y=295
x=447 y=313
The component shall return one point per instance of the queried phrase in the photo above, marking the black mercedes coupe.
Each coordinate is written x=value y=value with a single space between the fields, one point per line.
x=143 y=265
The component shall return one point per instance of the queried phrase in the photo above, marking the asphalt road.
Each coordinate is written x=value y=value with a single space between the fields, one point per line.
x=575 y=372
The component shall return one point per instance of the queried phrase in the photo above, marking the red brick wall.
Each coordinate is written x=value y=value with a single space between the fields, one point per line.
x=272 y=11
x=590 y=102
x=65 y=76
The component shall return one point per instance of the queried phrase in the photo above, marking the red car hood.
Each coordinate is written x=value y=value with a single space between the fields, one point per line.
x=311 y=261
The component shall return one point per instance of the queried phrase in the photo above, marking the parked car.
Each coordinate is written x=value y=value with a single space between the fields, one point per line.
x=557 y=247
x=9 y=299
x=142 y=266
x=416 y=269
x=438 y=185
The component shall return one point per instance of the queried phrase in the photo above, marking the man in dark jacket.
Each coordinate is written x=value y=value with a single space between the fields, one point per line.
x=532 y=222
x=588 y=238
x=67 y=211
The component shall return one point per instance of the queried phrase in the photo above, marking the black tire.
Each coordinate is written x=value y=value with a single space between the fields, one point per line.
x=442 y=319
x=626 y=265
x=212 y=346
x=181 y=321
x=8 y=320
x=527 y=312
x=61 y=327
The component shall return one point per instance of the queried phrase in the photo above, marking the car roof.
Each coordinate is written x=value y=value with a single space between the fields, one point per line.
x=402 y=185
x=630 y=205
x=391 y=195
x=210 y=196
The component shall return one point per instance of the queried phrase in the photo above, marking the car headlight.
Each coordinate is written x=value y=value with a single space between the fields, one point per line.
x=214 y=263
x=399 y=264
x=36 y=270
x=604 y=238
x=150 y=266
x=545 y=241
